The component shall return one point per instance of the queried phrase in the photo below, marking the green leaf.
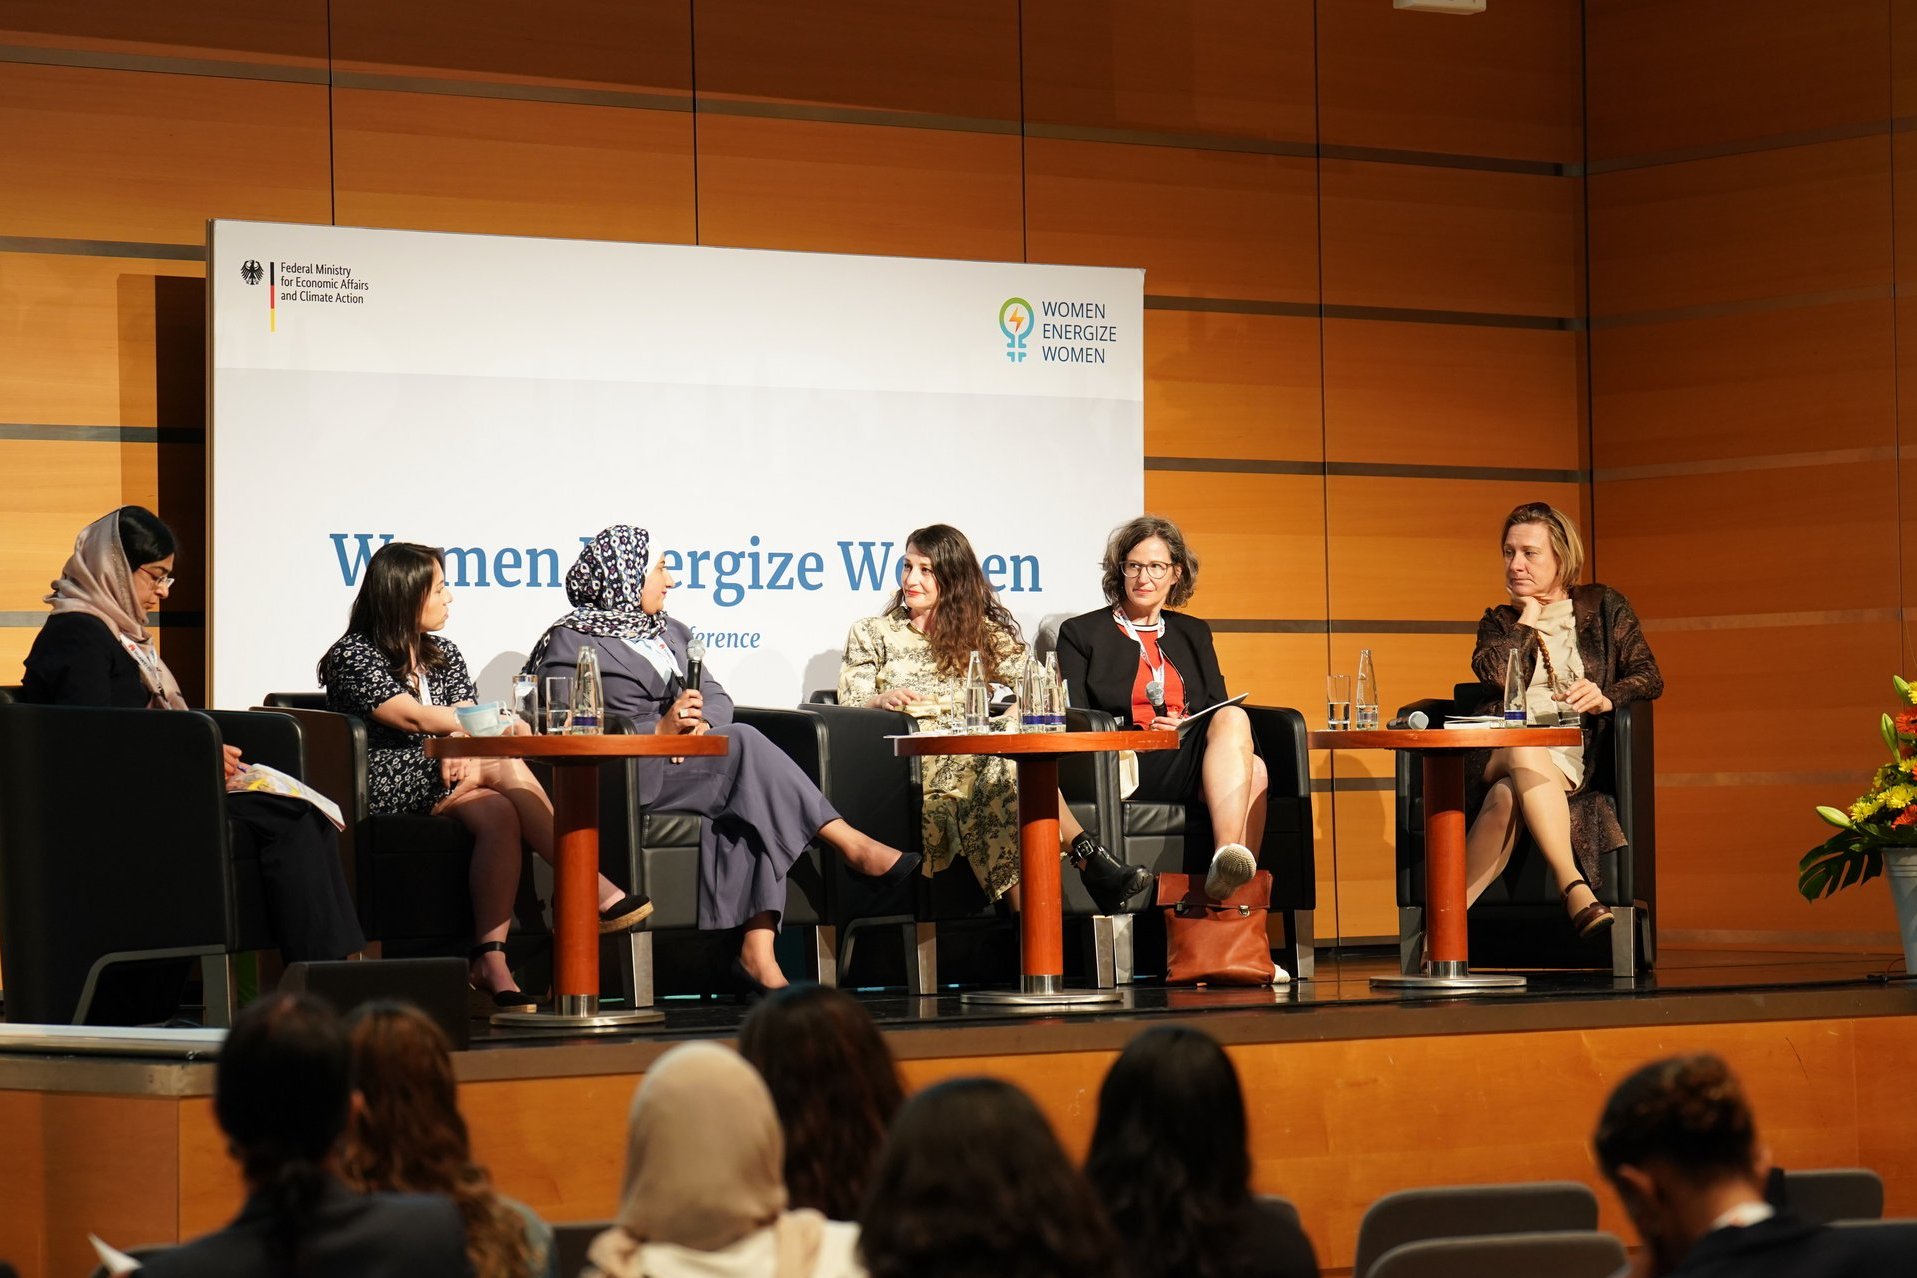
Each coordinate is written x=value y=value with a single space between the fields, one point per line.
x=1837 y=865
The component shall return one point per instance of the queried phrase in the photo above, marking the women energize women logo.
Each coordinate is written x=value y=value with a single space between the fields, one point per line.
x=1069 y=332
x=1015 y=321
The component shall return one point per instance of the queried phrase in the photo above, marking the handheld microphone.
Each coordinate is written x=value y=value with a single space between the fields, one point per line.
x=1415 y=720
x=695 y=662
x=1155 y=693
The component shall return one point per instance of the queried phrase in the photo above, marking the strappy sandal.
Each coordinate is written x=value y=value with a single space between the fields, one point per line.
x=484 y=1002
x=1593 y=918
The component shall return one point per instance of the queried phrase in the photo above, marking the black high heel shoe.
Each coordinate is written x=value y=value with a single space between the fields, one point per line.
x=1593 y=918
x=484 y=1002
x=899 y=871
x=746 y=987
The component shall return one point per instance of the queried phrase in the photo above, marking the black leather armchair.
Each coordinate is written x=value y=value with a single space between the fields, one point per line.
x=1520 y=920
x=116 y=862
x=1177 y=837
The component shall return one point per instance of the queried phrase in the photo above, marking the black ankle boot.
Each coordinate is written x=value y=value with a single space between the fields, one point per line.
x=1110 y=882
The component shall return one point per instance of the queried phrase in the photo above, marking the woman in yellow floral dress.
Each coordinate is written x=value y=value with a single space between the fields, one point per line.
x=918 y=650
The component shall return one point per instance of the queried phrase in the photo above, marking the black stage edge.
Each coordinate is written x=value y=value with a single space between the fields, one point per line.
x=1689 y=987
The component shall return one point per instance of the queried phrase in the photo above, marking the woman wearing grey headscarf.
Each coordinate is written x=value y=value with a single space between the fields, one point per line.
x=704 y=1195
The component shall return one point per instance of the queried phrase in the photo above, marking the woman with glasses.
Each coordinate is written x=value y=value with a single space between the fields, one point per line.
x=915 y=654
x=1116 y=658
x=391 y=669
x=1583 y=650
x=95 y=650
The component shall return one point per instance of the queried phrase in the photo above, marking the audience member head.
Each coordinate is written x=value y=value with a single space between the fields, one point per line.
x=703 y=1152
x=836 y=1088
x=1128 y=537
x=407 y=1135
x=402 y=596
x=282 y=1095
x=1168 y=1155
x=1543 y=553
x=1678 y=1142
x=942 y=577
x=973 y=1182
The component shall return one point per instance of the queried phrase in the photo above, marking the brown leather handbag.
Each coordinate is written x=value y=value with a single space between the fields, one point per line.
x=1211 y=942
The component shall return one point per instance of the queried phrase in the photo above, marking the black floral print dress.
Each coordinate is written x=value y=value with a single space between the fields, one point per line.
x=359 y=679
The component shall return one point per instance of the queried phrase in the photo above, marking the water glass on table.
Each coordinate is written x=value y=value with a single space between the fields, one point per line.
x=558 y=705
x=1338 y=702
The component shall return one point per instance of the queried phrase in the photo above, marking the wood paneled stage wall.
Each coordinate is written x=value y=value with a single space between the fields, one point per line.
x=1367 y=301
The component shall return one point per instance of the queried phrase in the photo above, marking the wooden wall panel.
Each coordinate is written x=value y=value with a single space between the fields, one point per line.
x=80 y=340
x=630 y=44
x=1421 y=548
x=1802 y=221
x=142 y=1207
x=1235 y=386
x=1223 y=68
x=1367 y=874
x=1410 y=668
x=1732 y=873
x=1276 y=669
x=1744 y=385
x=54 y=489
x=292 y=33
x=1505 y=82
x=124 y=155
x=1453 y=395
x=1785 y=530
x=1201 y=223
x=502 y=167
x=853 y=188
x=952 y=58
x=1450 y=239
x=1667 y=77
x=1259 y=539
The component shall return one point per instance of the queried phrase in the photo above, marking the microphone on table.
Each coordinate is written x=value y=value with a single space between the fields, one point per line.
x=1155 y=693
x=695 y=662
x=1415 y=720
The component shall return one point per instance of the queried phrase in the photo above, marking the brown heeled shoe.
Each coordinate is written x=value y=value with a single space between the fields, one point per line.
x=1593 y=918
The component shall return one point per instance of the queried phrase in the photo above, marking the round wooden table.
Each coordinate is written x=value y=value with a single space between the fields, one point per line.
x=575 y=908
x=1447 y=962
x=1040 y=917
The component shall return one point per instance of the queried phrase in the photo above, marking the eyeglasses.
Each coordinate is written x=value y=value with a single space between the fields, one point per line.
x=164 y=581
x=1154 y=571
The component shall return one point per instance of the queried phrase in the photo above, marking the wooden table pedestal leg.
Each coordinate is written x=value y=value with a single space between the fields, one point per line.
x=575 y=913
x=1447 y=945
x=1041 y=926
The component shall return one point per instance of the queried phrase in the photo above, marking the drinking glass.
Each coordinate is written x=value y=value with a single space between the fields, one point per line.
x=558 y=704
x=1337 y=702
x=524 y=702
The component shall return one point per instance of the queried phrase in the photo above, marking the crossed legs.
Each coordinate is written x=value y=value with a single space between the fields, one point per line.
x=1527 y=791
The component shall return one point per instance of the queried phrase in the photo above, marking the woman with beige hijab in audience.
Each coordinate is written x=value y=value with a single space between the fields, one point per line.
x=704 y=1193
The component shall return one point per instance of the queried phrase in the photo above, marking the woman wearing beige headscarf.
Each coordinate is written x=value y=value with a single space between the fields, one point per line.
x=704 y=1195
x=95 y=651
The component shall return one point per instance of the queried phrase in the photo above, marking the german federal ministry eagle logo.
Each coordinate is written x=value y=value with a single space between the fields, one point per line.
x=251 y=271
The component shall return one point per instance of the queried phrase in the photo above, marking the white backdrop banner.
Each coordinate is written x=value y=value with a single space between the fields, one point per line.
x=779 y=421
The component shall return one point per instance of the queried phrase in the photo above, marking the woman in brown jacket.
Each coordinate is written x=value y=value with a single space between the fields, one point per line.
x=1584 y=651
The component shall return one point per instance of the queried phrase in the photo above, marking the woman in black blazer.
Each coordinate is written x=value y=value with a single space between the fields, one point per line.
x=1112 y=658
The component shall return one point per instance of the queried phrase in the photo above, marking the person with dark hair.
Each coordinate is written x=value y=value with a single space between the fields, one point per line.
x=282 y=1095
x=95 y=650
x=408 y=1136
x=762 y=810
x=703 y=1197
x=1170 y=1163
x=836 y=1088
x=972 y=1182
x=914 y=657
x=1678 y=1142
x=1586 y=654
x=394 y=671
x=1112 y=659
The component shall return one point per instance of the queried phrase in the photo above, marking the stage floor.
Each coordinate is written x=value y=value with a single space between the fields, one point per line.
x=1693 y=985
